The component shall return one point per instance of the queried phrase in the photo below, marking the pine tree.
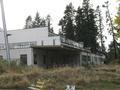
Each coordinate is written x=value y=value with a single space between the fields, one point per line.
x=117 y=22
x=28 y=23
x=62 y=24
x=67 y=22
x=100 y=25
x=93 y=32
x=79 y=20
x=111 y=28
x=86 y=29
x=37 y=21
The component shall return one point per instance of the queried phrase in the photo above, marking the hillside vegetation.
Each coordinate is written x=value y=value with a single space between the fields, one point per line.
x=105 y=77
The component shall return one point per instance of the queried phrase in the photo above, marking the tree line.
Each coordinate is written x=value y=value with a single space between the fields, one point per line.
x=80 y=25
x=37 y=21
x=85 y=25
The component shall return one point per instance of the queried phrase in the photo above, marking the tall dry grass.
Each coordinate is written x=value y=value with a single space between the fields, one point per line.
x=102 y=77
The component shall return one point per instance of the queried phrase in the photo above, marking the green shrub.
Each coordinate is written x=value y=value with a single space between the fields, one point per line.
x=13 y=81
x=3 y=66
x=19 y=76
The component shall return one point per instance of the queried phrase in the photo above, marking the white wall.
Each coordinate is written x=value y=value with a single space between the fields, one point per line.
x=30 y=35
x=15 y=54
x=49 y=41
x=27 y=35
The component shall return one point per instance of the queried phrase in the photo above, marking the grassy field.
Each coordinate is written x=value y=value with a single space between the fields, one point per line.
x=104 y=77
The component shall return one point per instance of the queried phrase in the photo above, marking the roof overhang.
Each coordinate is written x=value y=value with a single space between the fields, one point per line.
x=55 y=47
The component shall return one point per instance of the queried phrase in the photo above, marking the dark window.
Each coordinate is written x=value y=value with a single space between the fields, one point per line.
x=23 y=59
x=1 y=57
x=88 y=58
x=35 y=59
x=53 y=41
x=84 y=59
x=44 y=59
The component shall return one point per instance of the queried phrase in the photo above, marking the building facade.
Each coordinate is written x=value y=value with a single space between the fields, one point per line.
x=40 y=47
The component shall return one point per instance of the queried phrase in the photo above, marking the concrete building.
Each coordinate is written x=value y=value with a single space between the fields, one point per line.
x=40 y=47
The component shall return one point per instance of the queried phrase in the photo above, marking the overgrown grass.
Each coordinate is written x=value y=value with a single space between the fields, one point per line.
x=93 y=78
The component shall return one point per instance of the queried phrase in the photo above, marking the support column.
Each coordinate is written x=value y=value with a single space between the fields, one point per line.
x=80 y=58
x=30 y=58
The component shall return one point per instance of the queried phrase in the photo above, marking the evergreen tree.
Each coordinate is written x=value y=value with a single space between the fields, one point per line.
x=111 y=51
x=43 y=22
x=37 y=21
x=67 y=22
x=79 y=20
x=100 y=25
x=28 y=23
x=117 y=23
x=86 y=28
x=69 y=29
x=111 y=28
x=93 y=32
x=62 y=24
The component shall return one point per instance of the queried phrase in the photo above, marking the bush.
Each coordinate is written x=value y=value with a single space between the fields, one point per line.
x=3 y=66
x=13 y=81
x=18 y=76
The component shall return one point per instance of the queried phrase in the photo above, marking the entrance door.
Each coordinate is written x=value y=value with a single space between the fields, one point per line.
x=23 y=59
x=35 y=59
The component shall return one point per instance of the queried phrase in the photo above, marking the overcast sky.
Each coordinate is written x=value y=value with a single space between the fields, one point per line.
x=16 y=11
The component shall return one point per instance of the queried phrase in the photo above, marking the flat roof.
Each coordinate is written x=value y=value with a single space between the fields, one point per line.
x=52 y=47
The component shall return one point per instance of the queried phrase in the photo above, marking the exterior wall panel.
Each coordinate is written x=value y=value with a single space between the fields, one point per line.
x=15 y=54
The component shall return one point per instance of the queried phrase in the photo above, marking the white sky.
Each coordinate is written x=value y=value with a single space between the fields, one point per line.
x=16 y=11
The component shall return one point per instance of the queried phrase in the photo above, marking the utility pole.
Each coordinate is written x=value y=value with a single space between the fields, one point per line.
x=112 y=28
x=5 y=31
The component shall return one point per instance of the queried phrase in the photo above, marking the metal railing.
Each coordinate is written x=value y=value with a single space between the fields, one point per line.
x=19 y=45
x=63 y=41
x=71 y=43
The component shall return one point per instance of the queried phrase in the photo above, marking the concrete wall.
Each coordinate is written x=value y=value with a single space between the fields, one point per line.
x=94 y=58
x=30 y=35
x=51 y=41
x=41 y=37
x=15 y=54
x=56 y=58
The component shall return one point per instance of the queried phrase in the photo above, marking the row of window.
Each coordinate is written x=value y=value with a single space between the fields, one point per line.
x=70 y=42
x=23 y=59
x=91 y=60
x=19 y=45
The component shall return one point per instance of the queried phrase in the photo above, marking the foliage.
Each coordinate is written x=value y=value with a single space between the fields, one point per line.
x=86 y=28
x=28 y=22
x=11 y=81
x=111 y=28
x=111 y=52
x=100 y=25
x=3 y=66
x=67 y=22
x=80 y=25
x=117 y=22
x=37 y=22
x=16 y=76
x=100 y=77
